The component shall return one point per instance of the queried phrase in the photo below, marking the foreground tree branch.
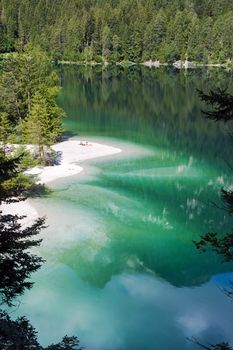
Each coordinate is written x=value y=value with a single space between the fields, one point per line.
x=221 y=104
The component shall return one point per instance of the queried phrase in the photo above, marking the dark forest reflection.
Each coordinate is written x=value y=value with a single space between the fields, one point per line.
x=150 y=106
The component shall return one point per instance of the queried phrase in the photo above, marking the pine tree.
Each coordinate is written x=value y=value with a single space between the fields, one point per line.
x=5 y=130
x=16 y=263
x=23 y=75
x=223 y=246
x=221 y=103
x=116 y=46
x=106 y=43
x=37 y=123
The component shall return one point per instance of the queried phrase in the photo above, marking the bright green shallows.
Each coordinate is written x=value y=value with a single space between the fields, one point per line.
x=122 y=271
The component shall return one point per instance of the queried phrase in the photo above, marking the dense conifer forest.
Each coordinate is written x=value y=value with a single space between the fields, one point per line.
x=121 y=30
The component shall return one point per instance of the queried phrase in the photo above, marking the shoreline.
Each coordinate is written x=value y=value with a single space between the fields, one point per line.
x=71 y=154
x=228 y=64
x=150 y=64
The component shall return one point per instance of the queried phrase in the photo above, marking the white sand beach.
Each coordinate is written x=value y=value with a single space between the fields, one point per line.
x=71 y=154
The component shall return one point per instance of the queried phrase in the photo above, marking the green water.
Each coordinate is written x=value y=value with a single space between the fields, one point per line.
x=122 y=271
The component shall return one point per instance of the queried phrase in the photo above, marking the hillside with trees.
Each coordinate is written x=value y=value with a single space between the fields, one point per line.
x=121 y=30
x=28 y=109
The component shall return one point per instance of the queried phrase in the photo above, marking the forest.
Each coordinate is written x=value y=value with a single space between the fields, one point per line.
x=120 y=30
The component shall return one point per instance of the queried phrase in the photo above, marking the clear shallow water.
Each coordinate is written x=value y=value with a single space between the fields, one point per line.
x=122 y=271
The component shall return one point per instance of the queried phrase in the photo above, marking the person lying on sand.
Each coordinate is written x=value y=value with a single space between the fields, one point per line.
x=85 y=143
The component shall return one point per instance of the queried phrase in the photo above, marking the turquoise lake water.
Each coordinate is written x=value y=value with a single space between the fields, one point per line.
x=121 y=270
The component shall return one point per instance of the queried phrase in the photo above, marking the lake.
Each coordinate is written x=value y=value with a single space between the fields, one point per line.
x=122 y=271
